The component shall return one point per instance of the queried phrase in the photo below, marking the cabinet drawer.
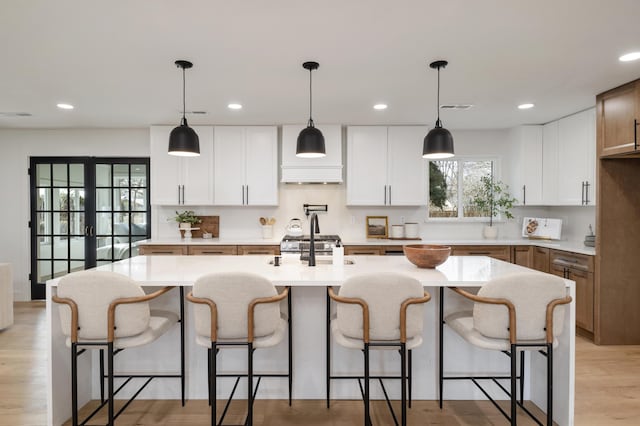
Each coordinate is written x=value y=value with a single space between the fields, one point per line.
x=496 y=252
x=522 y=255
x=272 y=250
x=566 y=259
x=213 y=250
x=162 y=250
x=364 y=250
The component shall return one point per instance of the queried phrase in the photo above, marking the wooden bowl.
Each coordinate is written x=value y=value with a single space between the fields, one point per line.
x=426 y=255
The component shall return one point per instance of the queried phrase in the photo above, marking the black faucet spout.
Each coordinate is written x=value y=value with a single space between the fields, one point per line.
x=315 y=229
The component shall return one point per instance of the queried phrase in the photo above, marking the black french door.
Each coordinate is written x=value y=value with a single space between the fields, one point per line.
x=85 y=211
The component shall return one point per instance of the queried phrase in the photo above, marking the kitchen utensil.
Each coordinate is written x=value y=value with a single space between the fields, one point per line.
x=294 y=228
x=263 y=221
x=271 y=221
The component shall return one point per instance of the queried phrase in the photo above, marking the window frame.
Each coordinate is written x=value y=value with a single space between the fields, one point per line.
x=497 y=175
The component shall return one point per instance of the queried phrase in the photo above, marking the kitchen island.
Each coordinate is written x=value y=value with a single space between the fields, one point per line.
x=308 y=300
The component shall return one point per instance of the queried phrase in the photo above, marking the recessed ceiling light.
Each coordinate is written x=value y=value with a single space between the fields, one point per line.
x=525 y=106
x=234 y=106
x=380 y=106
x=65 y=106
x=630 y=57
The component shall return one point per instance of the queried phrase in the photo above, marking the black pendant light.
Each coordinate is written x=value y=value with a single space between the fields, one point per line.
x=310 y=140
x=183 y=140
x=438 y=143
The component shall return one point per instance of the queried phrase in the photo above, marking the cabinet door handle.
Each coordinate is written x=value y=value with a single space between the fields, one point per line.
x=183 y=195
x=247 y=189
x=635 y=134
x=179 y=195
x=586 y=192
x=524 y=194
x=479 y=253
x=582 y=194
x=243 y=195
x=385 y=195
x=389 y=194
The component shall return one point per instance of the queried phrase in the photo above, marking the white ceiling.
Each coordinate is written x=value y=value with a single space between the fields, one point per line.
x=113 y=60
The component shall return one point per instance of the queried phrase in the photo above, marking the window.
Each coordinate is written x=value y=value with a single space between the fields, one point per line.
x=453 y=185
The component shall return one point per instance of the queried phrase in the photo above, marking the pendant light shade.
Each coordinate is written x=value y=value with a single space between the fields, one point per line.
x=438 y=143
x=310 y=140
x=183 y=140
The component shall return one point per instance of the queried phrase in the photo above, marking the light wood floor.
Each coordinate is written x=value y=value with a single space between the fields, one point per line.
x=607 y=391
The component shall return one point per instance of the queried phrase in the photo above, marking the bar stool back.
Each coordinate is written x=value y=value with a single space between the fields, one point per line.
x=234 y=310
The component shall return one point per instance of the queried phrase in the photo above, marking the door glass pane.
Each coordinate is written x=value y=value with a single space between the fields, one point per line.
x=43 y=223
x=121 y=199
x=138 y=225
x=104 y=245
x=60 y=223
x=60 y=248
x=103 y=199
x=44 y=199
x=76 y=223
x=120 y=175
x=76 y=175
x=103 y=224
x=104 y=262
x=44 y=270
x=103 y=175
x=60 y=268
x=43 y=249
x=77 y=248
x=76 y=199
x=77 y=266
x=138 y=175
x=43 y=175
x=121 y=226
x=60 y=199
x=60 y=175
x=138 y=199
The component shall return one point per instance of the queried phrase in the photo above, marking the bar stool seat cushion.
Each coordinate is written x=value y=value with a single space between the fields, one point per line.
x=462 y=323
x=159 y=323
x=352 y=343
x=258 y=342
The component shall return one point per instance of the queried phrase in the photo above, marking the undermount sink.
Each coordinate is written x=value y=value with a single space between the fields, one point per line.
x=318 y=261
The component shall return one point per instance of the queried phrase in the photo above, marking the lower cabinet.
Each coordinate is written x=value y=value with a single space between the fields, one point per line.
x=364 y=250
x=156 y=250
x=578 y=268
x=540 y=259
x=211 y=250
x=522 y=255
x=496 y=252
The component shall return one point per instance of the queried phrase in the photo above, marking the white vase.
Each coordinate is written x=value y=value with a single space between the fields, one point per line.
x=490 y=232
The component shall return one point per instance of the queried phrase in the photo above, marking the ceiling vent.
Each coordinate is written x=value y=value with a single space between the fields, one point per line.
x=15 y=114
x=456 y=106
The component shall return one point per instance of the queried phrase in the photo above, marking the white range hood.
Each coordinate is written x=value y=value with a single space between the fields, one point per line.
x=327 y=169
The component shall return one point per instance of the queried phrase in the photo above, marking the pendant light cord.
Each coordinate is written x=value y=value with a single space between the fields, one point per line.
x=310 y=123
x=438 y=122
x=184 y=107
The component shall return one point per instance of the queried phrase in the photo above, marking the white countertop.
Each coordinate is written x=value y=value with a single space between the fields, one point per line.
x=572 y=246
x=467 y=271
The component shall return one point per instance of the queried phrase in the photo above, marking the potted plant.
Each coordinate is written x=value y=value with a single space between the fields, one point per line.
x=187 y=219
x=492 y=198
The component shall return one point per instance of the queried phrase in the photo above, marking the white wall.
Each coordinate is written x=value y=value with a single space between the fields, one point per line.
x=16 y=146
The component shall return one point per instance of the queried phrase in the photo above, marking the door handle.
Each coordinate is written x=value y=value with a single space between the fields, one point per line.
x=86 y=230
x=91 y=231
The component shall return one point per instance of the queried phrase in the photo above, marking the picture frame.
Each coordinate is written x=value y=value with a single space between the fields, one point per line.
x=377 y=227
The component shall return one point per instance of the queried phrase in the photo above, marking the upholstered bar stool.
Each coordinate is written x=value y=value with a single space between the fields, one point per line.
x=105 y=309
x=521 y=312
x=235 y=310
x=377 y=311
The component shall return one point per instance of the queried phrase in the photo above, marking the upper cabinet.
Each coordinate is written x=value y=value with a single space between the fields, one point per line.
x=618 y=116
x=568 y=164
x=181 y=180
x=327 y=169
x=526 y=170
x=385 y=166
x=246 y=166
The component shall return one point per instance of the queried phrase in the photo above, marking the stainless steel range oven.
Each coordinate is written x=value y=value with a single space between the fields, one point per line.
x=323 y=244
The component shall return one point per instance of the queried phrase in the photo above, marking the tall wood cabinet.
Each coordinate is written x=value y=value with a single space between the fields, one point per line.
x=181 y=180
x=385 y=166
x=618 y=117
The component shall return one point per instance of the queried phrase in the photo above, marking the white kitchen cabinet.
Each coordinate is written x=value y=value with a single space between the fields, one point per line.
x=181 y=180
x=385 y=166
x=576 y=159
x=526 y=167
x=246 y=166
x=327 y=169
x=550 y=163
